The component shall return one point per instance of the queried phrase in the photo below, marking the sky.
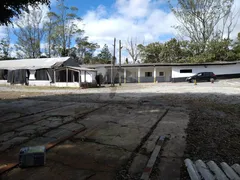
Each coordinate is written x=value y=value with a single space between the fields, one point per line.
x=145 y=20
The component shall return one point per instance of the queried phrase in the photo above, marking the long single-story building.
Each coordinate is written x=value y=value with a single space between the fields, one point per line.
x=165 y=72
x=59 y=72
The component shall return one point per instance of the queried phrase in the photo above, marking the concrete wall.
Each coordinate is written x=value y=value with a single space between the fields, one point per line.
x=4 y=82
x=216 y=69
x=134 y=74
x=39 y=83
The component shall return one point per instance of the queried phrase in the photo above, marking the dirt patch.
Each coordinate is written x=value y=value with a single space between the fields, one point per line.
x=19 y=95
x=213 y=134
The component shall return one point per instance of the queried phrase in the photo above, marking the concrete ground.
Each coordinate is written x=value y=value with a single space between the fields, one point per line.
x=122 y=125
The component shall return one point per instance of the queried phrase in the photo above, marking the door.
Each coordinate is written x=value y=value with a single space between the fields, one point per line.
x=200 y=77
x=206 y=76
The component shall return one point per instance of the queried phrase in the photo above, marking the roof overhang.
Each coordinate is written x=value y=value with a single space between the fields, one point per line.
x=33 y=64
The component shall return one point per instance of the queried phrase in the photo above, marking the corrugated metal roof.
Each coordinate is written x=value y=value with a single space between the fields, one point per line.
x=210 y=171
x=40 y=63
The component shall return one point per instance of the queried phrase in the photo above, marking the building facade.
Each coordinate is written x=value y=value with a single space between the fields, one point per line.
x=163 y=72
x=59 y=72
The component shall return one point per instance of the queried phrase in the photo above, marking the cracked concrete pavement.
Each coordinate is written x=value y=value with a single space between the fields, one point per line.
x=121 y=131
x=113 y=134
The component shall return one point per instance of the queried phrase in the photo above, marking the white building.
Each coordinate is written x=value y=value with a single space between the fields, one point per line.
x=59 y=72
x=165 y=72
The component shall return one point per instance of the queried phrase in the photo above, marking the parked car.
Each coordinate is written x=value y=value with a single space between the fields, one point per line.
x=202 y=76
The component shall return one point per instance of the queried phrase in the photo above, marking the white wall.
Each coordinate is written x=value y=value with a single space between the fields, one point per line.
x=90 y=76
x=216 y=69
x=39 y=83
x=148 y=69
x=167 y=72
x=132 y=72
x=4 y=82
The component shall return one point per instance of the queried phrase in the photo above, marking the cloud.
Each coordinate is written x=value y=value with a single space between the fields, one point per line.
x=3 y=32
x=148 y=20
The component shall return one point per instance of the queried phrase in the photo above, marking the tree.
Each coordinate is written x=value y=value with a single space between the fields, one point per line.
x=50 y=32
x=29 y=34
x=66 y=27
x=199 y=19
x=104 y=56
x=151 y=53
x=5 y=49
x=171 y=51
x=11 y=8
x=86 y=49
x=132 y=49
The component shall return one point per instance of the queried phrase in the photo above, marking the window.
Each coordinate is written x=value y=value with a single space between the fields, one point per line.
x=148 y=74
x=186 y=71
x=161 y=73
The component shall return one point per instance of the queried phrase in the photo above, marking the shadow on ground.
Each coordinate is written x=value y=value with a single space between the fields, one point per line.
x=121 y=131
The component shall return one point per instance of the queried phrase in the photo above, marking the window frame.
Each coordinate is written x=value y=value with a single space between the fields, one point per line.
x=184 y=71
x=160 y=74
x=150 y=73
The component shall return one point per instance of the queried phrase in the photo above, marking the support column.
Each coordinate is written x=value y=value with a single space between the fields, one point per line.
x=125 y=75
x=155 y=75
x=67 y=76
x=54 y=76
x=73 y=76
x=32 y=75
x=139 y=75
x=85 y=76
x=79 y=78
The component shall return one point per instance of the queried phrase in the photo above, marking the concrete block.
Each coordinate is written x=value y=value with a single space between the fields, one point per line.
x=229 y=171
x=202 y=168
x=217 y=171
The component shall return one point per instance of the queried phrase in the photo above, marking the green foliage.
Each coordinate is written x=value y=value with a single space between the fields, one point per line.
x=65 y=23
x=11 y=8
x=86 y=49
x=104 y=57
x=4 y=48
x=175 y=51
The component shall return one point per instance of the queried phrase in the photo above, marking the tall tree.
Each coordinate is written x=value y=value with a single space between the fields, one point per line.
x=29 y=33
x=86 y=49
x=172 y=51
x=151 y=53
x=104 y=56
x=11 y=8
x=199 y=19
x=50 y=33
x=132 y=49
x=67 y=27
x=5 y=48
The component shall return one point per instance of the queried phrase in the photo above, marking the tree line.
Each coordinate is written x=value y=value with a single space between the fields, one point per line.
x=177 y=51
x=205 y=28
x=55 y=34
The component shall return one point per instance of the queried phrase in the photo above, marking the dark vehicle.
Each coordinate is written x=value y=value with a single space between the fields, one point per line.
x=202 y=76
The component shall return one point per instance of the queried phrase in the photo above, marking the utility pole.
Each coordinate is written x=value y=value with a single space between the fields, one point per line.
x=120 y=59
x=113 y=62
